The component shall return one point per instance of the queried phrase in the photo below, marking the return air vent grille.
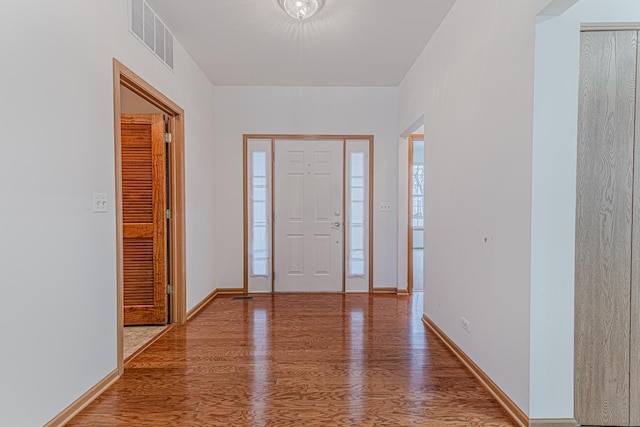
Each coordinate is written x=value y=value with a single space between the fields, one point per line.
x=147 y=27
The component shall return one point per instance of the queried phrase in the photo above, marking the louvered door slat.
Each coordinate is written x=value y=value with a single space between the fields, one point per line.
x=143 y=205
x=138 y=271
x=137 y=173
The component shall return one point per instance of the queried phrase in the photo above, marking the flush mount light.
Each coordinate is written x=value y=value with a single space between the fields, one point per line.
x=301 y=9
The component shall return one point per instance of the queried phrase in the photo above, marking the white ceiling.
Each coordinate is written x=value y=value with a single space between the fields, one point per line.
x=347 y=43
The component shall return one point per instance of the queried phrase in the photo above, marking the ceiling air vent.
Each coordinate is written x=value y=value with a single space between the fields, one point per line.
x=147 y=27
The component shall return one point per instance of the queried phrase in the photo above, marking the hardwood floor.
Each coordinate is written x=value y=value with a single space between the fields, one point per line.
x=293 y=360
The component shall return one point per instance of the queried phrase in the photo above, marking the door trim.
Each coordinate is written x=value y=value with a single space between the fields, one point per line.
x=178 y=313
x=273 y=138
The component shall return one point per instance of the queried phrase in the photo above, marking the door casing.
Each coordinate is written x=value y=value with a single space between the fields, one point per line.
x=123 y=76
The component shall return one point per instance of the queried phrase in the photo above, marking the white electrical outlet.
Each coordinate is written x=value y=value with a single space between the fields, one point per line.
x=384 y=206
x=466 y=325
x=100 y=203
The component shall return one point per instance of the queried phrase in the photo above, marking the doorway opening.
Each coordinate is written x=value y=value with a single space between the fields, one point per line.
x=308 y=213
x=415 y=233
x=149 y=154
x=410 y=236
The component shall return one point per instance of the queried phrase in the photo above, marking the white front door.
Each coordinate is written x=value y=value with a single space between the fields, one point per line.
x=308 y=201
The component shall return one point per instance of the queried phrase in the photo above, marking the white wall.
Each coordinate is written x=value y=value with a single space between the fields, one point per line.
x=302 y=110
x=553 y=215
x=474 y=85
x=132 y=103
x=57 y=259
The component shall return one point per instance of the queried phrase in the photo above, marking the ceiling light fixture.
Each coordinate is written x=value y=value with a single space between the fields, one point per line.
x=301 y=9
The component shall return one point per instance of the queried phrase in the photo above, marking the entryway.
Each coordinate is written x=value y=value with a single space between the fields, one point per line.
x=308 y=213
x=149 y=149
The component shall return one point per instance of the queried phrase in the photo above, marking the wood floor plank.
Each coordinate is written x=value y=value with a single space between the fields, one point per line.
x=292 y=360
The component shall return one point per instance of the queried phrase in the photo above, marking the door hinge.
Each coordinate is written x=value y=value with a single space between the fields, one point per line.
x=167 y=214
x=169 y=289
x=167 y=137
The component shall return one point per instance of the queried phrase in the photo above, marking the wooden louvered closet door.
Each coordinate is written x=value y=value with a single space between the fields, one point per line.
x=143 y=219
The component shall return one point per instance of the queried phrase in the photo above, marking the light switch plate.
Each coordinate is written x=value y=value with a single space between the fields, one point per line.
x=100 y=203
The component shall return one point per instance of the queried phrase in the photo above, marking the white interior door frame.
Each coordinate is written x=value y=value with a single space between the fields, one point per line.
x=255 y=283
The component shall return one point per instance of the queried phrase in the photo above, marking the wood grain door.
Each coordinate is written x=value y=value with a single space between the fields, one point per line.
x=604 y=227
x=143 y=219
x=634 y=359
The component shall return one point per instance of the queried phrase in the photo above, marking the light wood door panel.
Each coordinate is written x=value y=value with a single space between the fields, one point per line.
x=308 y=200
x=603 y=227
x=634 y=377
x=143 y=218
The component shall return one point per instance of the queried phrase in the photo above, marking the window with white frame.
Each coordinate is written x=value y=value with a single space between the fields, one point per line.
x=357 y=209
x=417 y=214
x=259 y=214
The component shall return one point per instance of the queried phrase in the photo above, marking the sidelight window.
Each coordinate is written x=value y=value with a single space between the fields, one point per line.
x=357 y=208
x=259 y=214
x=258 y=210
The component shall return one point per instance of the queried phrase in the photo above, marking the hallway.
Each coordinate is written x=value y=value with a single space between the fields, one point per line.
x=291 y=360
